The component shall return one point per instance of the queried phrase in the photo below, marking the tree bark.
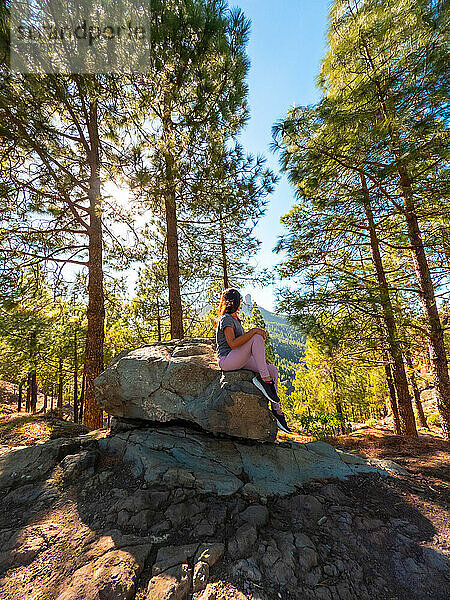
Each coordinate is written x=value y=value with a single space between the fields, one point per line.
x=436 y=347
x=173 y=269
x=33 y=381
x=406 y=414
x=226 y=282
x=75 y=378
x=93 y=362
x=19 y=401
x=170 y=208
x=59 y=403
x=416 y=392
x=392 y=395
x=28 y=404
x=83 y=382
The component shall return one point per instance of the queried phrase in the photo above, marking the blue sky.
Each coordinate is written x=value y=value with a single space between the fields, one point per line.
x=286 y=46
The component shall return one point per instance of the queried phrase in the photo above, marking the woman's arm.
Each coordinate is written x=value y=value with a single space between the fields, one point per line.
x=235 y=342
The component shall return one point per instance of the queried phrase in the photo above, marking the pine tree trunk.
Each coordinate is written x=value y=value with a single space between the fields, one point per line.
x=226 y=282
x=170 y=208
x=59 y=403
x=173 y=269
x=45 y=403
x=19 y=401
x=33 y=381
x=75 y=378
x=28 y=404
x=33 y=396
x=83 y=382
x=406 y=414
x=436 y=348
x=93 y=362
x=416 y=393
x=392 y=395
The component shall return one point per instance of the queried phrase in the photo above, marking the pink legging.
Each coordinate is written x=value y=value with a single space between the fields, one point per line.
x=251 y=355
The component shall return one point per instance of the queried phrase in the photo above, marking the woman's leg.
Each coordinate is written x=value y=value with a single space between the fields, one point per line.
x=273 y=370
x=240 y=357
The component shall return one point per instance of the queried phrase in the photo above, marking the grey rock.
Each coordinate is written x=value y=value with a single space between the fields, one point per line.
x=303 y=541
x=242 y=543
x=330 y=570
x=138 y=501
x=332 y=492
x=142 y=520
x=201 y=526
x=256 y=515
x=111 y=576
x=210 y=553
x=180 y=380
x=270 y=556
x=169 y=556
x=161 y=527
x=219 y=466
x=23 y=495
x=313 y=577
x=249 y=569
x=436 y=560
x=173 y=584
x=157 y=499
x=309 y=505
x=351 y=458
x=322 y=448
x=178 y=513
x=200 y=576
x=307 y=558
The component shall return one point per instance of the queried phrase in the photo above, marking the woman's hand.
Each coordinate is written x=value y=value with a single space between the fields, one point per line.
x=259 y=330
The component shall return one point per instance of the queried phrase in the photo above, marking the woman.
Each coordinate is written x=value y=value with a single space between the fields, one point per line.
x=237 y=349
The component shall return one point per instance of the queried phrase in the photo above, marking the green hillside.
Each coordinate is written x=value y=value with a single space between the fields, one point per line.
x=288 y=342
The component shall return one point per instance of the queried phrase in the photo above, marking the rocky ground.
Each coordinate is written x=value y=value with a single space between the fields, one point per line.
x=76 y=523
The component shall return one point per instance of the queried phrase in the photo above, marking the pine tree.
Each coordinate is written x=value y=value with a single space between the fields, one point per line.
x=196 y=92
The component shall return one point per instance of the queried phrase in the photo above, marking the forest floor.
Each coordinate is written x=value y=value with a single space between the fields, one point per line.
x=426 y=487
x=418 y=499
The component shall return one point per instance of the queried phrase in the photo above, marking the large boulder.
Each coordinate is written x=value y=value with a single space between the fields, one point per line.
x=180 y=381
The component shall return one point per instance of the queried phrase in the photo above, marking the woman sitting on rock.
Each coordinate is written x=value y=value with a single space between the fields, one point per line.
x=237 y=349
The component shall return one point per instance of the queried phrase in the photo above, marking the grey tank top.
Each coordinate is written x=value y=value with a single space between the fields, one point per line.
x=226 y=320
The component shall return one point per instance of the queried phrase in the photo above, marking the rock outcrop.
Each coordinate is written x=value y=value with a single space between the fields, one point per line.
x=177 y=456
x=77 y=523
x=180 y=381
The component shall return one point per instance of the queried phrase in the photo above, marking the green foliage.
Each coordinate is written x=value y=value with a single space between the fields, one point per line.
x=434 y=420
x=330 y=381
x=320 y=425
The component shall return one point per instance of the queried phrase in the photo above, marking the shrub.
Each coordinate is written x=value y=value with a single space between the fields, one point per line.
x=321 y=425
x=434 y=420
